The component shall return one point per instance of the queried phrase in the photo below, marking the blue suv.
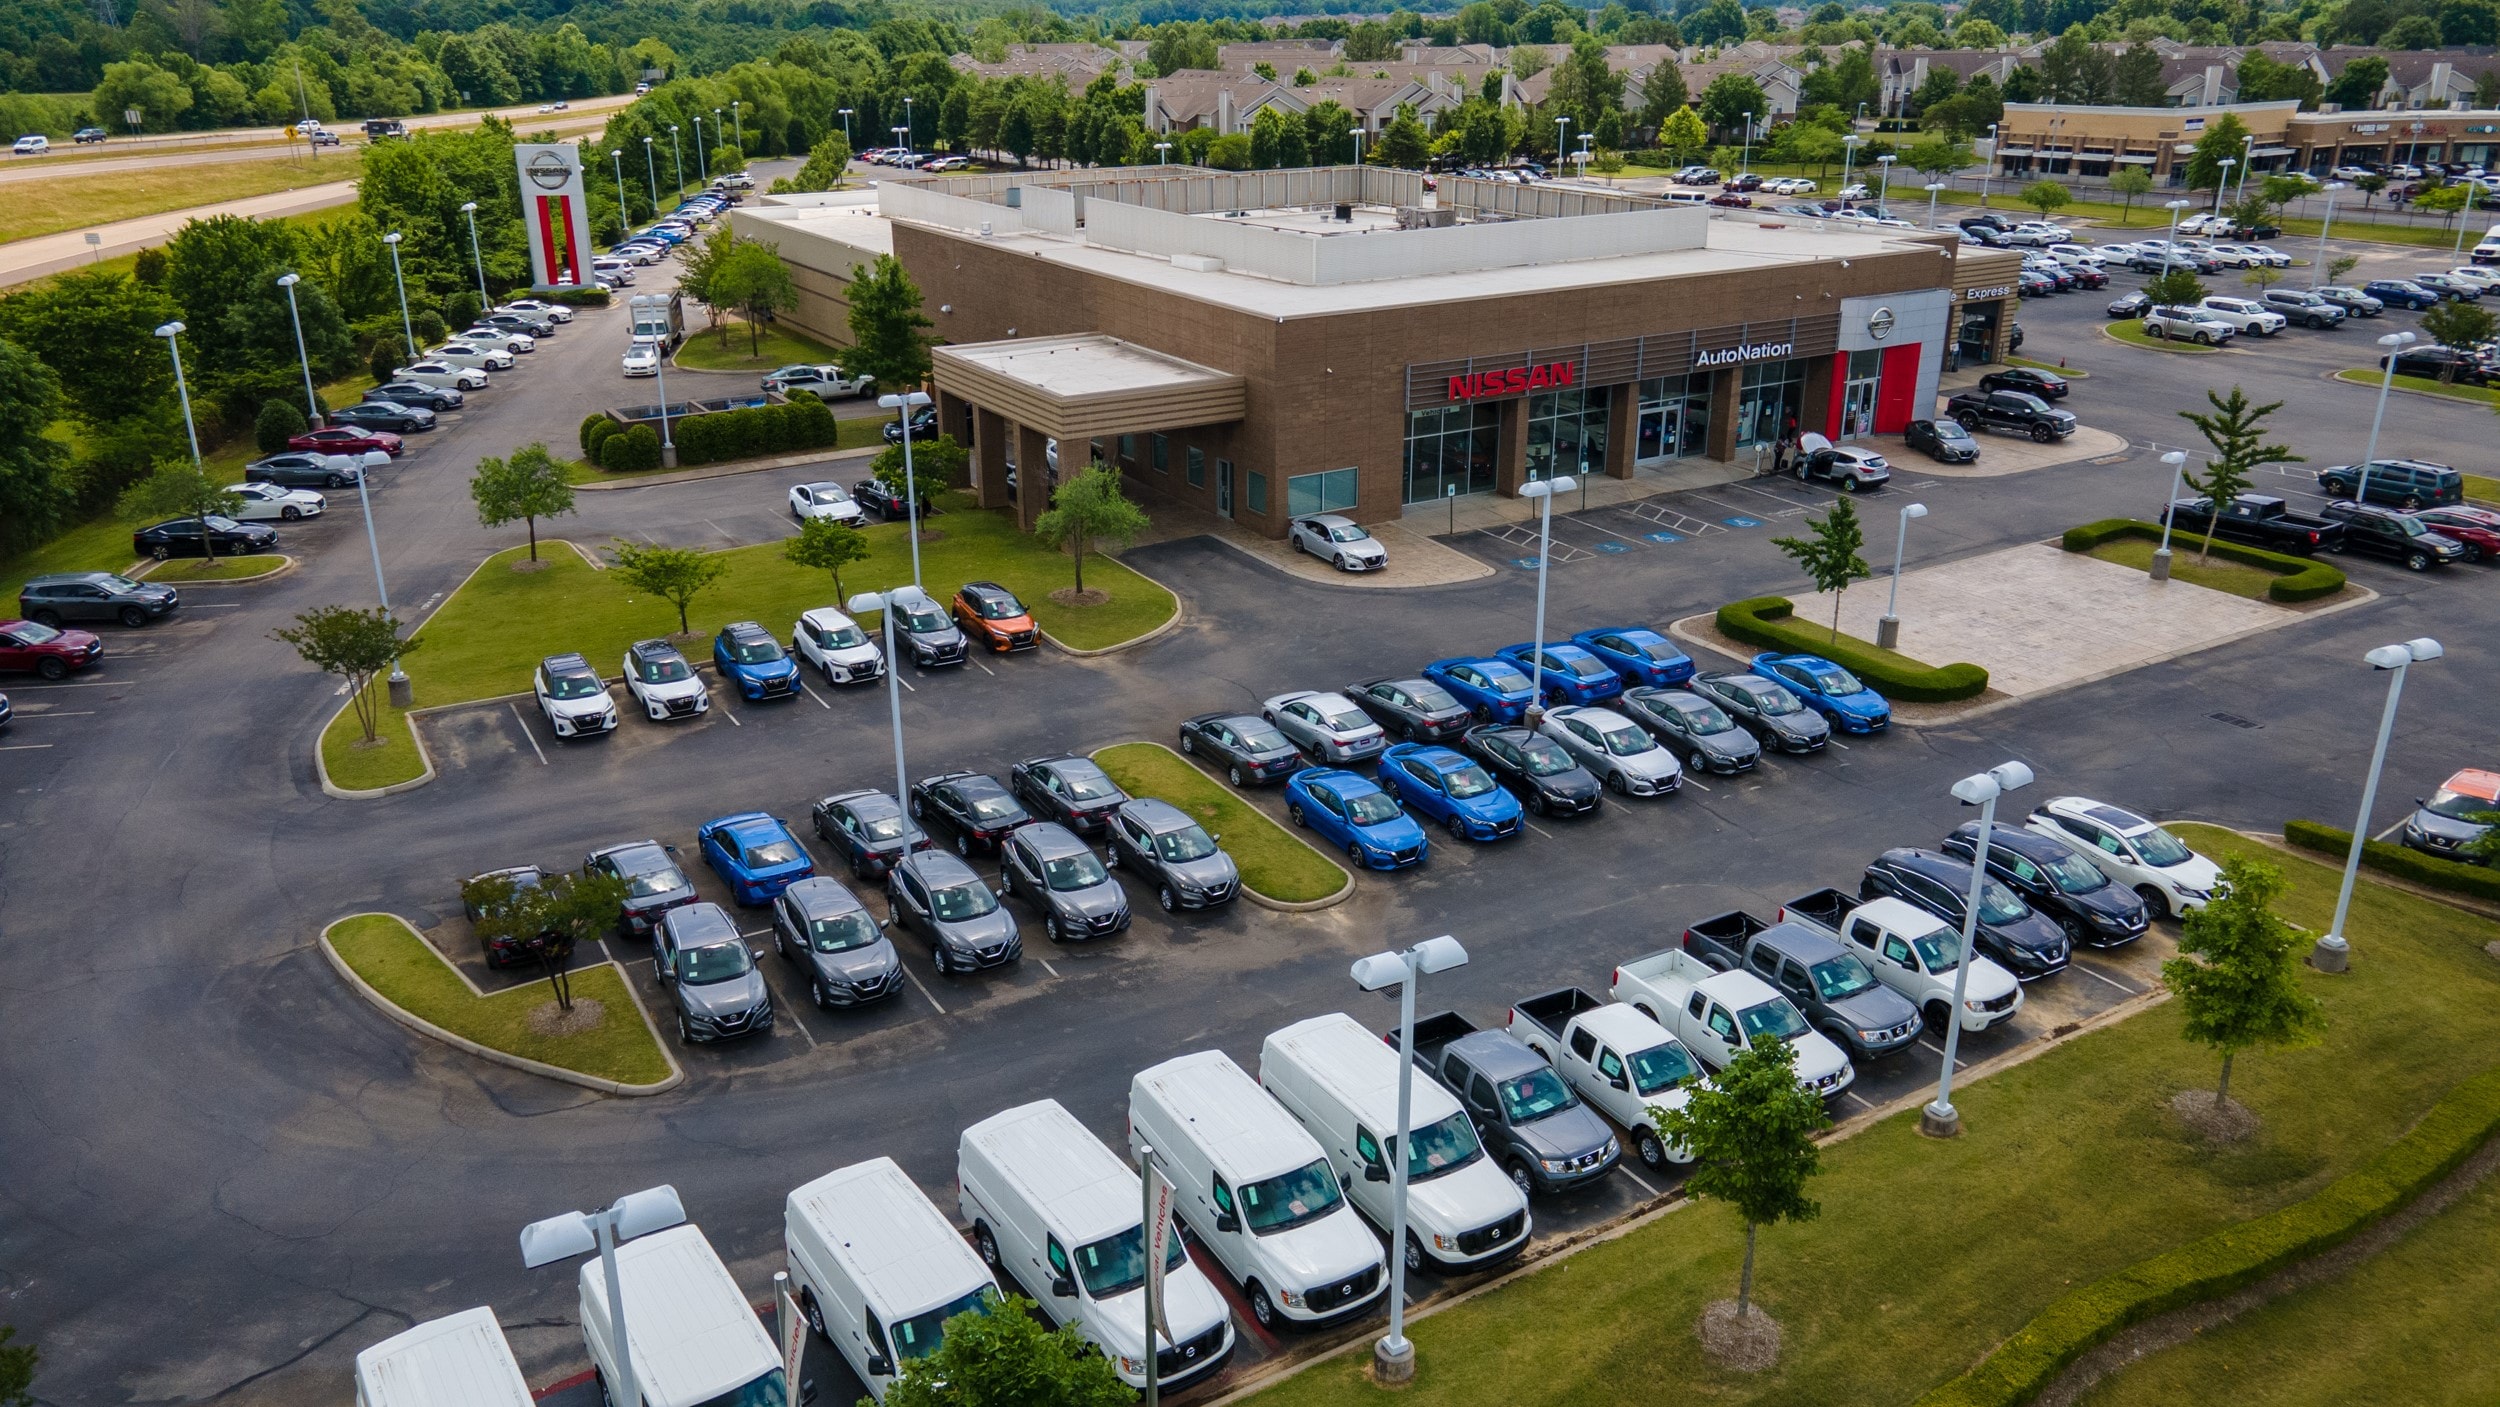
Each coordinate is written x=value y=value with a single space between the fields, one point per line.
x=2400 y=293
x=749 y=657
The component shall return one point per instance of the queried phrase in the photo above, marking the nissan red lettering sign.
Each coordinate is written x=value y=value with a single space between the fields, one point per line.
x=1518 y=381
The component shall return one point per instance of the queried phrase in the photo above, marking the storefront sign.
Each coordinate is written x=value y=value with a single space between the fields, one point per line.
x=1755 y=352
x=1879 y=324
x=1517 y=381
x=2194 y=124
x=1973 y=295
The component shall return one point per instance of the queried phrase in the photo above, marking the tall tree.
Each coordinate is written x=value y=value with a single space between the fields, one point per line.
x=525 y=488
x=2135 y=78
x=674 y=574
x=889 y=336
x=2459 y=327
x=1001 y=1354
x=97 y=333
x=757 y=283
x=2357 y=88
x=34 y=491
x=180 y=489
x=547 y=919
x=1829 y=554
x=1728 y=98
x=356 y=645
x=2074 y=70
x=827 y=545
x=1751 y=1131
x=1403 y=142
x=1662 y=93
x=1683 y=135
x=2047 y=197
x=1090 y=508
x=2224 y=137
x=2132 y=183
x=2237 y=975
x=2236 y=432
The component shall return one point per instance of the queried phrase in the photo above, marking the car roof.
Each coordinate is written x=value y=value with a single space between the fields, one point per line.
x=565 y=664
x=1051 y=840
x=746 y=629
x=1627 y=631
x=700 y=924
x=68 y=578
x=938 y=867
x=655 y=649
x=2028 y=844
x=2125 y=822
x=1934 y=864
x=746 y=823
x=1327 y=520
x=823 y=894
x=988 y=588
x=1598 y=715
x=1347 y=783
x=1432 y=755
x=1156 y=814
x=864 y=802
x=827 y=616
x=2474 y=781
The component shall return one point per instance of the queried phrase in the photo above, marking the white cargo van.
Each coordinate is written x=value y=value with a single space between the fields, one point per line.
x=696 y=1341
x=1053 y=1207
x=1257 y=1190
x=460 y=1360
x=1340 y=1082
x=877 y=1269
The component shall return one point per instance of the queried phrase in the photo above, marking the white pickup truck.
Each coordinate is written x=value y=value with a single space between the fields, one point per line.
x=1619 y=1061
x=1718 y=1013
x=1914 y=953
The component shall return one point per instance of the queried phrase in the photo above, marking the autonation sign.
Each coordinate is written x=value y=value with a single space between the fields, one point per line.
x=1748 y=352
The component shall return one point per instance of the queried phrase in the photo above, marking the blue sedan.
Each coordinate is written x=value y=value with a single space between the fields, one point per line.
x=1572 y=674
x=755 y=854
x=1494 y=690
x=1351 y=811
x=748 y=656
x=1639 y=654
x=2401 y=293
x=1451 y=788
x=1829 y=690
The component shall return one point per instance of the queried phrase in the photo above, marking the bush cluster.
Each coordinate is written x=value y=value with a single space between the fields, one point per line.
x=278 y=422
x=1764 y=621
x=575 y=297
x=632 y=450
x=2455 y=876
x=2301 y=579
x=595 y=432
x=803 y=424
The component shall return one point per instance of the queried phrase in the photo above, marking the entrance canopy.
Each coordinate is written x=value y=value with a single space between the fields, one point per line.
x=1087 y=385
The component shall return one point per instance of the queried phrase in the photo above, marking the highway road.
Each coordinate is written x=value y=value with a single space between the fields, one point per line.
x=271 y=143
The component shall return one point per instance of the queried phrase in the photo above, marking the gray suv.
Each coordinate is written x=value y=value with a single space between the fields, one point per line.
x=1835 y=989
x=1053 y=869
x=710 y=976
x=939 y=897
x=71 y=596
x=821 y=927
x=2304 y=307
x=1158 y=842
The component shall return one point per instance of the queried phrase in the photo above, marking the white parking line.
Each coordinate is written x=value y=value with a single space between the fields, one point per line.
x=731 y=715
x=1046 y=967
x=801 y=1022
x=905 y=683
x=2088 y=972
x=210 y=605
x=1692 y=781
x=2391 y=830
x=26 y=747
x=820 y=703
x=724 y=532
x=525 y=732
x=985 y=669
x=1540 y=830
x=1925 y=1043
x=1835 y=742
x=924 y=991
x=59 y=713
x=80 y=684
x=1637 y=1180
x=1861 y=1099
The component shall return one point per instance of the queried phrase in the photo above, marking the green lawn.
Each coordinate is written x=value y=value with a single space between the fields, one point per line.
x=392 y=758
x=2371 y=377
x=2070 y=1167
x=399 y=964
x=99 y=545
x=48 y=207
x=2132 y=332
x=493 y=631
x=2482 y=487
x=2070 y=373
x=2238 y=578
x=705 y=351
x=222 y=569
x=1274 y=861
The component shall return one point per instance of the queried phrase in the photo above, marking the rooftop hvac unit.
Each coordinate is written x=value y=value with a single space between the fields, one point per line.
x=1345 y=213
x=1425 y=217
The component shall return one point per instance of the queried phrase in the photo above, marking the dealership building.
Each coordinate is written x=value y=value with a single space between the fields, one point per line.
x=1269 y=344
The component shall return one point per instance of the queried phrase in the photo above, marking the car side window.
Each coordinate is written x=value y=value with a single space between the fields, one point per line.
x=1057 y=1255
x=1328 y=798
x=1480 y=1092
x=1862 y=932
x=1366 y=1147
x=1792 y=977
x=1898 y=952
x=1583 y=1044
x=1223 y=1195
x=1764 y=961
x=1610 y=1065
x=913 y=891
x=876 y=1333
x=1722 y=1025
x=1693 y=1008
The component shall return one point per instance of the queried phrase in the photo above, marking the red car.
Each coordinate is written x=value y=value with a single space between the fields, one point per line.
x=24 y=645
x=2477 y=528
x=347 y=439
x=1732 y=200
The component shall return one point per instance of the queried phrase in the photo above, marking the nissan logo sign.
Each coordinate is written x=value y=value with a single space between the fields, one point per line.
x=1879 y=324
x=550 y=172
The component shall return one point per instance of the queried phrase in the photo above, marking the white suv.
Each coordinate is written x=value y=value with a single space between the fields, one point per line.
x=573 y=697
x=2188 y=325
x=2245 y=315
x=2171 y=878
x=835 y=644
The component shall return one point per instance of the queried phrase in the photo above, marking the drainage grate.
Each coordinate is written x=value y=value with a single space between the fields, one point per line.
x=2235 y=720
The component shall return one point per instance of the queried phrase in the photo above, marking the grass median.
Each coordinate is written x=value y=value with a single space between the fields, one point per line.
x=2428 y=385
x=1274 y=861
x=49 y=207
x=405 y=969
x=2214 y=573
x=190 y=569
x=709 y=350
x=2071 y=1166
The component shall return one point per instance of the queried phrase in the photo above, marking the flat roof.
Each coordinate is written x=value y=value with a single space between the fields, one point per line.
x=1084 y=364
x=1088 y=383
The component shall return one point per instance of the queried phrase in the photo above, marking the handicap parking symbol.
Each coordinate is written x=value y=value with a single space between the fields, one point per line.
x=1525 y=564
x=1742 y=522
x=1664 y=537
x=1614 y=547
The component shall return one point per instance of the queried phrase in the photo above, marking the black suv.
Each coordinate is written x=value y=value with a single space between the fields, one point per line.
x=971 y=804
x=2061 y=884
x=2017 y=412
x=2399 y=537
x=2010 y=931
x=67 y=596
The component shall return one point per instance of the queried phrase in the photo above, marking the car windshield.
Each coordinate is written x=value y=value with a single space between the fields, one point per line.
x=1660 y=1068
x=1775 y=702
x=1505 y=677
x=1443 y=1147
x=664 y=671
x=1586 y=666
x=1997 y=904
x=1704 y=718
x=30 y=633
x=1188 y=843
x=2074 y=874
x=992 y=806
x=1288 y=1200
x=997 y=607
x=1348 y=533
x=829 y=493
x=1430 y=697
x=1840 y=681
x=1070 y=872
x=1259 y=737
x=844 y=637
x=1341 y=717
x=117 y=583
x=1116 y=1265
x=1773 y=1020
x=839 y=933
x=1940 y=951
x=1371 y=809
x=923 y=619
x=780 y=850
x=1656 y=651
x=655 y=876
x=574 y=686
x=2456 y=805
x=1534 y=1095
x=1841 y=977
x=1629 y=742
x=714 y=962
x=1467 y=781
x=920 y=1335
x=2410 y=527
x=957 y=902
x=2160 y=848
x=1087 y=785
x=1542 y=757
x=881 y=827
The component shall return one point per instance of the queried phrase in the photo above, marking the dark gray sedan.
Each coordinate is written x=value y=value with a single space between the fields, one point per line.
x=1248 y=747
x=1774 y=715
x=938 y=897
x=1160 y=843
x=709 y=975
x=1695 y=729
x=1417 y=710
x=820 y=926
x=1052 y=868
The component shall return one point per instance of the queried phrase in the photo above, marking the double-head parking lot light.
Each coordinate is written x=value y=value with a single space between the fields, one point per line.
x=579 y=1233
x=1393 y=1358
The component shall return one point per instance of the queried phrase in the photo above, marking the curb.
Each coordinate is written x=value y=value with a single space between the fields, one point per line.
x=729 y=470
x=1282 y=906
x=2338 y=378
x=1170 y=624
x=321 y=764
x=285 y=564
x=423 y=1027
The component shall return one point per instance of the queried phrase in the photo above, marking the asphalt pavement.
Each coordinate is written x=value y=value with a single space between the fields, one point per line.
x=226 y=1173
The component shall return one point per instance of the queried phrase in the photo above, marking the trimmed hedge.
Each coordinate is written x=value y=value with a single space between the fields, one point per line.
x=2233 y=1257
x=636 y=449
x=804 y=423
x=595 y=432
x=574 y=297
x=2457 y=877
x=2300 y=578
x=1764 y=621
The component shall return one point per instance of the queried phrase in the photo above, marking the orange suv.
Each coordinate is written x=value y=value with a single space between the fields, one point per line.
x=991 y=614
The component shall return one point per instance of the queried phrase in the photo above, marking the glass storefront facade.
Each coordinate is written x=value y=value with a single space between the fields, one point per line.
x=1567 y=432
x=1859 y=386
x=1674 y=418
x=1772 y=396
x=1451 y=447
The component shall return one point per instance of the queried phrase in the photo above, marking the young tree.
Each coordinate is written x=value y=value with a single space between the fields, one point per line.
x=2370 y=185
x=754 y=281
x=548 y=919
x=2340 y=265
x=180 y=489
x=1683 y=134
x=674 y=574
x=2236 y=430
x=356 y=645
x=2179 y=287
x=828 y=162
x=827 y=546
x=1829 y=556
x=2224 y=137
x=527 y=487
x=889 y=337
x=2238 y=971
x=2047 y=197
x=703 y=262
x=934 y=463
x=278 y=422
x=1403 y=142
x=2264 y=276
x=2444 y=202
x=1751 y=1131
x=2459 y=327
x=1937 y=157
x=1090 y=508
x=2133 y=183
x=1728 y=98
x=1004 y=1355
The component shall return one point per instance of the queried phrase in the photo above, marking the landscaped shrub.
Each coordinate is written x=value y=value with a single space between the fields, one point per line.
x=278 y=422
x=385 y=360
x=755 y=432
x=2480 y=881
x=429 y=326
x=462 y=309
x=595 y=431
x=638 y=448
x=574 y=297
x=2300 y=579
x=2233 y=1257
x=1765 y=621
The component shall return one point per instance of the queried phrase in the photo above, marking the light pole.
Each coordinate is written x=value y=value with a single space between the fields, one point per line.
x=2224 y=183
x=1163 y=153
x=1980 y=789
x=1934 y=189
x=2248 y=158
x=406 y=327
x=903 y=404
x=1744 y=163
x=579 y=1233
x=2170 y=245
x=902 y=138
x=1888 y=630
x=2177 y=460
x=312 y=403
x=1883 y=182
x=651 y=173
x=702 y=171
x=911 y=128
x=1543 y=491
x=1559 y=143
x=741 y=125
x=1393 y=1358
x=885 y=603
x=677 y=153
x=1357 y=134
x=477 y=253
x=1586 y=141
x=1848 y=157
x=2317 y=266
x=2394 y=342
x=2333 y=954
x=1990 y=168
x=624 y=217
x=846 y=126
x=659 y=305
x=171 y=332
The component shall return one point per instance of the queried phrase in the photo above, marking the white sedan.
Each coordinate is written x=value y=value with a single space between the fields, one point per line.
x=823 y=500
x=1341 y=540
x=493 y=356
x=482 y=335
x=552 y=312
x=2171 y=878
x=269 y=503
x=642 y=358
x=1622 y=754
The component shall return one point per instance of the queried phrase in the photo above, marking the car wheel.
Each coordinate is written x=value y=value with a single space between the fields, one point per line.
x=1938 y=1017
x=816 y=993
x=1354 y=854
x=337 y=481
x=1967 y=420
x=51 y=668
x=1700 y=761
x=963 y=845
x=985 y=1245
x=937 y=958
x=2418 y=561
x=1537 y=803
x=1050 y=928
x=2336 y=547
x=1457 y=827
x=685 y=1033
x=1520 y=1179
x=1414 y=1253
x=1651 y=1151
x=815 y=1315
x=47 y=618
x=1293 y=813
x=2156 y=904
x=2411 y=503
x=1170 y=901
x=1261 y=1307
x=290 y=512
x=2339 y=488
x=915 y=808
x=1298 y=544
x=1233 y=774
x=1188 y=744
x=2204 y=339
x=160 y=551
x=1616 y=784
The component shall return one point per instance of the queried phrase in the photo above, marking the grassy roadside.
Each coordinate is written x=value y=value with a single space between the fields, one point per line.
x=2071 y=1167
x=49 y=207
x=222 y=569
x=2237 y=578
x=99 y=545
x=2483 y=487
x=1274 y=861
x=397 y=963
x=858 y=432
